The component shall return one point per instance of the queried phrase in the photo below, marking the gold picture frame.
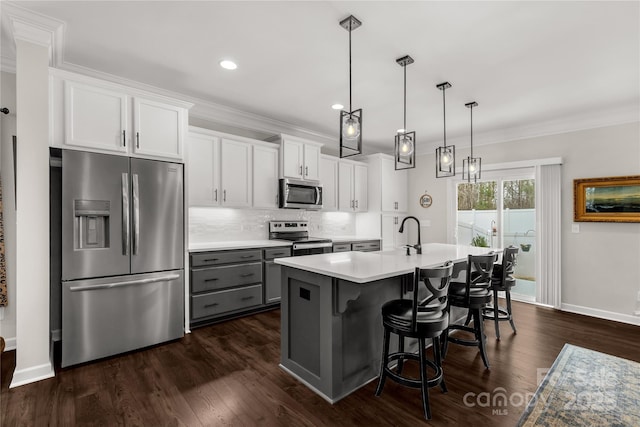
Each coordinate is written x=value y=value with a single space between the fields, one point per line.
x=609 y=199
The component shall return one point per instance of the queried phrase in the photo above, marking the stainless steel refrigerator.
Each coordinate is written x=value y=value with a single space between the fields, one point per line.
x=122 y=254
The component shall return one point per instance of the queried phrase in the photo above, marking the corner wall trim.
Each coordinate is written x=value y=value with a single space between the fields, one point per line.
x=601 y=314
x=32 y=374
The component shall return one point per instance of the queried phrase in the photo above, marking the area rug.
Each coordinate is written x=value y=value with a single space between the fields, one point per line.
x=586 y=388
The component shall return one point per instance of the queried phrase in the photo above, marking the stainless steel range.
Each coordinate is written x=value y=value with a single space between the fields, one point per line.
x=298 y=233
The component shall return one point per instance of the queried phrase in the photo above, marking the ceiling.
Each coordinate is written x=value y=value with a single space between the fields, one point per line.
x=533 y=67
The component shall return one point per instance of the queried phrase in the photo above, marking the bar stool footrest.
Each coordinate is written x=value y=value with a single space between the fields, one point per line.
x=463 y=341
x=503 y=314
x=433 y=381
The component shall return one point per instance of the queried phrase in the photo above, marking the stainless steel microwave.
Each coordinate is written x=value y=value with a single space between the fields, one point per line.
x=300 y=194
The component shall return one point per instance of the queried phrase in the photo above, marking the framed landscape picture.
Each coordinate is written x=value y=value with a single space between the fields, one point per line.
x=611 y=199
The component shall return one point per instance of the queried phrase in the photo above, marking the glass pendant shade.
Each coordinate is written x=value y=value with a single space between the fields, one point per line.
x=406 y=145
x=350 y=133
x=445 y=154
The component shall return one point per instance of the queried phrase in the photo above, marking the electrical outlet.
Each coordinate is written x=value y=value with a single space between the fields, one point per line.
x=575 y=228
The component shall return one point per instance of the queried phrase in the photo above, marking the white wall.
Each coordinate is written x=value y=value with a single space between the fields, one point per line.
x=600 y=265
x=8 y=129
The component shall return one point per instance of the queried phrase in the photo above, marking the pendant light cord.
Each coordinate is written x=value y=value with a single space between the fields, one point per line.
x=444 y=116
x=350 y=108
x=471 y=130
x=405 y=99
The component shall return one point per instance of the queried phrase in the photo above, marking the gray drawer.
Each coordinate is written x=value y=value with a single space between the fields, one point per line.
x=373 y=245
x=225 y=257
x=273 y=253
x=221 y=302
x=213 y=278
x=341 y=247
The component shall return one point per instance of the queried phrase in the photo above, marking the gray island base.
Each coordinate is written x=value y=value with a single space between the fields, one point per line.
x=331 y=326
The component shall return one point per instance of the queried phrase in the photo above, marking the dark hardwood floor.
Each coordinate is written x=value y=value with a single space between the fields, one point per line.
x=228 y=374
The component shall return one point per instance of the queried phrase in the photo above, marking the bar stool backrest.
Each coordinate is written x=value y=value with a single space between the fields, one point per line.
x=437 y=280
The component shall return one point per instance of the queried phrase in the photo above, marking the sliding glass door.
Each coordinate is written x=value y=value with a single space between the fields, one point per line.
x=500 y=211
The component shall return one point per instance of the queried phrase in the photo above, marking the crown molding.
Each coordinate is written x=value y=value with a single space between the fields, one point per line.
x=629 y=113
x=35 y=28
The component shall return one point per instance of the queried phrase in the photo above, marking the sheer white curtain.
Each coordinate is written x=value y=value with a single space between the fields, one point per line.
x=548 y=226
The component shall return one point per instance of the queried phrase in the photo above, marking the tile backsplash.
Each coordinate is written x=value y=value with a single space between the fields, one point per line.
x=224 y=224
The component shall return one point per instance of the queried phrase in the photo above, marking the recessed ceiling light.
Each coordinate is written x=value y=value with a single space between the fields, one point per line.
x=228 y=65
x=337 y=106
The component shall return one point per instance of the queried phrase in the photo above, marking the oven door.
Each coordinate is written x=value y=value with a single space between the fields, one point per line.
x=300 y=195
x=312 y=248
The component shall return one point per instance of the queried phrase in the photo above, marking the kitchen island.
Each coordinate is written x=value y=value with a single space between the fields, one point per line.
x=331 y=326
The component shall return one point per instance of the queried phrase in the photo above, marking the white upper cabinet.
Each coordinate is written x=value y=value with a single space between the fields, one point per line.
x=158 y=128
x=299 y=159
x=265 y=177
x=329 y=180
x=235 y=173
x=388 y=187
x=352 y=186
x=203 y=154
x=95 y=117
x=391 y=237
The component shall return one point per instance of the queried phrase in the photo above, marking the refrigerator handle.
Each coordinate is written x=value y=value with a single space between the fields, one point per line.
x=136 y=215
x=125 y=213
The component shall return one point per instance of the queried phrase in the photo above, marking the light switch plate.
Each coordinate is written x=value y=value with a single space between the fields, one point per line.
x=575 y=228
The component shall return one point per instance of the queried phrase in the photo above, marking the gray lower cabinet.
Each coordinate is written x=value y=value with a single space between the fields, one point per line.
x=234 y=282
x=225 y=283
x=273 y=275
x=361 y=246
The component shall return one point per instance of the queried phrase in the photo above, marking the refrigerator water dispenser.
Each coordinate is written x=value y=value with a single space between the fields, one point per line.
x=91 y=224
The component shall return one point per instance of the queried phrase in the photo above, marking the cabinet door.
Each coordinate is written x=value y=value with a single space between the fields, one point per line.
x=401 y=185
x=95 y=118
x=329 y=181
x=311 y=162
x=235 y=173
x=272 y=282
x=388 y=185
x=391 y=237
x=292 y=159
x=158 y=129
x=360 y=187
x=203 y=170
x=265 y=177
x=345 y=187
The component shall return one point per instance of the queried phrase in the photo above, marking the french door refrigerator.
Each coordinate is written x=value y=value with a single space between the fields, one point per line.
x=122 y=254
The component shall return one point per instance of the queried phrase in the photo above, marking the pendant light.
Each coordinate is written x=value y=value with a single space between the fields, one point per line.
x=405 y=142
x=350 y=121
x=446 y=154
x=471 y=166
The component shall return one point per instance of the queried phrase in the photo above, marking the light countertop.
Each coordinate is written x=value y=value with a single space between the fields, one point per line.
x=363 y=267
x=236 y=244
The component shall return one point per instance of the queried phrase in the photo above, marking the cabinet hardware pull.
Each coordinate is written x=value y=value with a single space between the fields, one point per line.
x=224 y=195
x=215 y=195
x=300 y=169
x=124 y=138
x=210 y=305
x=356 y=204
x=246 y=298
x=210 y=259
x=352 y=203
x=246 y=256
x=246 y=275
x=306 y=171
x=137 y=139
x=278 y=253
x=211 y=280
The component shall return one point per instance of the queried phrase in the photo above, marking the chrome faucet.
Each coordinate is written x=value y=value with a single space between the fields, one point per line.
x=418 y=246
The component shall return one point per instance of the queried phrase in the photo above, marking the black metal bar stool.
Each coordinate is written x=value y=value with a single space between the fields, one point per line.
x=474 y=295
x=421 y=319
x=502 y=280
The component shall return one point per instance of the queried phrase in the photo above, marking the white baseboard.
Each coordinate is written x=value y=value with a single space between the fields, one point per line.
x=602 y=314
x=9 y=344
x=32 y=374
